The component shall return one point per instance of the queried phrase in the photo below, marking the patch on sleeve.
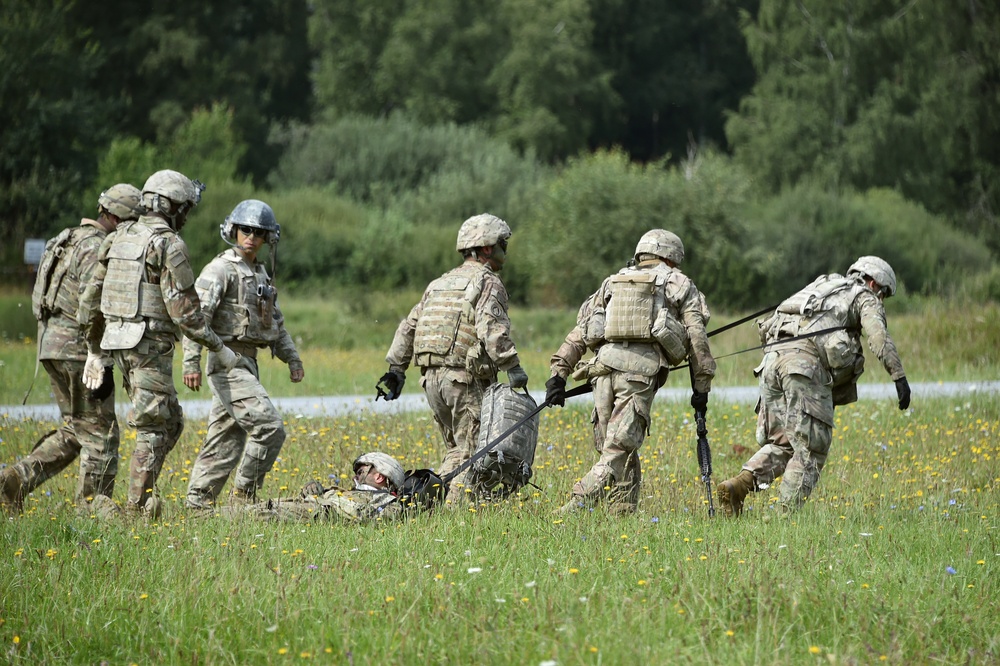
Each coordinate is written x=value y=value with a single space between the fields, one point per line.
x=180 y=266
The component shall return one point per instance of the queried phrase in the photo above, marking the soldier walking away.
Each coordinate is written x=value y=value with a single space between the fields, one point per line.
x=459 y=337
x=378 y=478
x=89 y=427
x=801 y=381
x=139 y=302
x=644 y=319
x=239 y=300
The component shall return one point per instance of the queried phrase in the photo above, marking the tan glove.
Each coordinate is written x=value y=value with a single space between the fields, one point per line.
x=93 y=371
x=227 y=358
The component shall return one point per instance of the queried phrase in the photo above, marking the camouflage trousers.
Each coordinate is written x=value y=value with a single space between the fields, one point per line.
x=456 y=400
x=794 y=424
x=156 y=415
x=347 y=506
x=622 y=403
x=89 y=430
x=245 y=433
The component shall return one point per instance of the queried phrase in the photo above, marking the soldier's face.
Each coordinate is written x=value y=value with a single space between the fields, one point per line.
x=248 y=241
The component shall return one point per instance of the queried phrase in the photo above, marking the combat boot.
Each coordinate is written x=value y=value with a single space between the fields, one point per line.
x=11 y=490
x=240 y=497
x=733 y=491
x=103 y=507
x=153 y=508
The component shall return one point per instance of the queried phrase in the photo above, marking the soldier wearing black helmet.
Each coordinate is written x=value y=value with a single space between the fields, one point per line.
x=238 y=297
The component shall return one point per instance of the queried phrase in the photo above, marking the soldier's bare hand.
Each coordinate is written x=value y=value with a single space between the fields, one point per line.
x=296 y=374
x=193 y=381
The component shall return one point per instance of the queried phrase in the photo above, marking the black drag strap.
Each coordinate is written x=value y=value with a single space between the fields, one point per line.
x=744 y=320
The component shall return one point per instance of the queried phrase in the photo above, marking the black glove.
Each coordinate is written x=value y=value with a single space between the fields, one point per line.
x=555 y=391
x=903 y=392
x=393 y=381
x=699 y=401
x=107 y=387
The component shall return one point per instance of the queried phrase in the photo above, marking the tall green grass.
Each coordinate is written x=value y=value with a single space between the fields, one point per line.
x=894 y=560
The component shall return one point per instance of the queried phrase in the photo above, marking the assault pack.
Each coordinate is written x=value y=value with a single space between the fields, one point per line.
x=51 y=271
x=505 y=468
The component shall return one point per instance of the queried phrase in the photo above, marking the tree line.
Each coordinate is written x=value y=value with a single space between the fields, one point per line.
x=774 y=135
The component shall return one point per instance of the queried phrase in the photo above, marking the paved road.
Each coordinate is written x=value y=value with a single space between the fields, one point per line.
x=342 y=405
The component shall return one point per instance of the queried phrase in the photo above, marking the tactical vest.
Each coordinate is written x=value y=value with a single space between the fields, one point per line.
x=128 y=299
x=824 y=303
x=57 y=287
x=247 y=315
x=638 y=312
x=447 y=324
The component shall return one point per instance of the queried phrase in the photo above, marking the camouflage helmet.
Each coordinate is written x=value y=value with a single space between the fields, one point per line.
x=122 y=201
x=662 y=243
x=251 y=213
x=877 y=269
x=385 y=465
x=481 y=230
x=171 y=185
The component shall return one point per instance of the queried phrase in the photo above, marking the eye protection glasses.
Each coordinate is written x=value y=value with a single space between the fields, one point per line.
x=252 y=231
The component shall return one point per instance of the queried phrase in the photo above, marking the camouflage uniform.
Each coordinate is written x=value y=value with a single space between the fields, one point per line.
x=802 y=381
x=334 y=505
x=459 y=337
x=141 y=299
x=630 y=364
x=241 y=409
x=89 y=429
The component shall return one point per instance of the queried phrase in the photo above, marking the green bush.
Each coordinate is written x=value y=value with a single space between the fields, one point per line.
x=807 y=231
x=595 y=211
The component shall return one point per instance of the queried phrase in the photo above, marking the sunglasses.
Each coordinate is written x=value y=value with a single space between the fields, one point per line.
x=252 y=231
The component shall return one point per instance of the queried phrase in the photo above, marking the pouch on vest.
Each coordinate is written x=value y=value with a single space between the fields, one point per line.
x=507 y=467
x=630 y=310
x=50 y=275
x=672 y=336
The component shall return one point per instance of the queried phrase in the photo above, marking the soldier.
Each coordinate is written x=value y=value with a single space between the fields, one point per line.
x=140 y=300
x=803 y=380
x=378 y=478
x=643 y=320
x=239 y=299
x=459 y=337
x=89 y=429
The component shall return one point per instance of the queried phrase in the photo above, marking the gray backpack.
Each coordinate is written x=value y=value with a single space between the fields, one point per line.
x=507 y=466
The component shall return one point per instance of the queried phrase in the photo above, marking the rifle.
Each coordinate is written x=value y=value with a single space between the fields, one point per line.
x=705 y=459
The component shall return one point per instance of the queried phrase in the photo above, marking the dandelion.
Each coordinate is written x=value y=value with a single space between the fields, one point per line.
x=593 y=648
x=814 y=649
x=574 y=571
x=730 y=633
x=143 y=596
x=642 y=582
x=17 y=639
x=283 y=650
x=389 y=599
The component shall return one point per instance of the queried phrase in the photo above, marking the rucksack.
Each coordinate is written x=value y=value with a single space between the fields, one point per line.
x=507 y=467
x=50 y=274
x=422 y=489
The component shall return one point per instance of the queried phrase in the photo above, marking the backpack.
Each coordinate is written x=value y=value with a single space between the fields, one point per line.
x=50 y=274
x=507 y=466
x=422 y=489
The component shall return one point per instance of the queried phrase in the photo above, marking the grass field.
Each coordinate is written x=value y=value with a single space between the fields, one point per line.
x=894 y=560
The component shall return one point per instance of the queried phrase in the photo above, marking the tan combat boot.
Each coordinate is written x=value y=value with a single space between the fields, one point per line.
x=11 y=495
x=733 y=491
x=576 y=504
x=103 y=507
x=240 y=497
